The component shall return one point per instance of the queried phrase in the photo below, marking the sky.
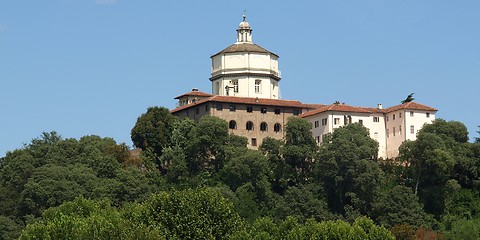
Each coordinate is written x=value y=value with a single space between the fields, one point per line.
x=92 y=67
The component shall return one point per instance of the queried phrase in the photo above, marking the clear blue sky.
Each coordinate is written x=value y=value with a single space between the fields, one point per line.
x=83 y=67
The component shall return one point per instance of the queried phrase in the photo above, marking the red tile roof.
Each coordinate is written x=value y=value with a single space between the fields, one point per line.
x=244 y=100
x=411 y=106
x=195 y=93
x=336 y=108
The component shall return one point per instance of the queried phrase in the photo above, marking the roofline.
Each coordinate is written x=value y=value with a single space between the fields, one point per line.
x=245 y=74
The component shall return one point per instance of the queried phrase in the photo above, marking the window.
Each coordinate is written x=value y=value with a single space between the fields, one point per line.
x=277 y=127
x=232 y=108
x=336 y=121
x=324 y=121
x=257 y=86
x=263 y=126
x=317 y=139
x=263 y=110
x=388 y=133
x=317 y=124
x=277 y=110
x=249 y=109
x=375 y=135
x=296 y=112
x=387 y=118
x=393 y=131
x=400 y=130
x=376 y=119
x=219 y=106
x=428 y=115
x=360 y=121
x=232 y=125
x=206 y=108
x=249 y=126
x=235 y=85
x=393 y=117
x=197 y=110
x=254 y=142
x=411 y=113
x=412 y=129
x=399 y=115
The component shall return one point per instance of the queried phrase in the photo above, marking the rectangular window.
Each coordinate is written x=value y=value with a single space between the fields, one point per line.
x=206 y=108
x=263 y=110
x=400 y=130
x=317 y=139
x=393 y=118
x=258 y=86
x=232 y=108
x=277 y=110
x=411 y=113
x=400 y=115
x=249 y=109
x=412 y=129
x=219 y=106
x=254 y=142
x=360 y=121
x=375 y=135
x=324 y=121
x=393 y=131
x=376 y=119
x=336 y=121
x=428 y=115
x=295 y=112
x=235 y=85
x=387 y=118
x=317 y=124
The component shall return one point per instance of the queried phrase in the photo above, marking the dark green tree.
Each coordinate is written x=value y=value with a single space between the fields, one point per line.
x=153 y=129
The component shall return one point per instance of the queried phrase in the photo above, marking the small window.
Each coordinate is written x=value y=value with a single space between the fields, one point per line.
x=411 y=113
x=197 y=110
x=277 y=110
x=393 y=118
x=387 y=118
x=399 y=115
x=263 y=110
x=249 y=126
x=317 y=139
x=400 y=130
x=235 y=85
x=393 y=131
x=376 y=119
x=258 y=86
x=254 y=142
x=277 y=127
x=360 y=121
x=336 y=121
x=375 y=135
x=232 y=125
x=324 y=121
x=232 y=108
x=317 y=123
x=249 y=109
x=219 y=106
x=428 y=115
x=206 y=108
x=412 y=129
x=263 y=126
x=295 y=112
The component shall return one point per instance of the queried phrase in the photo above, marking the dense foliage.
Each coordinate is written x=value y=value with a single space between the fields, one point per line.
x=194 y=180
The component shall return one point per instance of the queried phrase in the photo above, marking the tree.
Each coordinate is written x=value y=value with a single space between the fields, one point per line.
x=397 y=206
x=348 y=168
x=153 y=129
x=477 y=139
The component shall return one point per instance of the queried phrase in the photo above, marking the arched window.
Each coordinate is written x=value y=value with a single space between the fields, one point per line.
x=232 y=125
x=250 y=126
x=263 y=126
x=277 y=127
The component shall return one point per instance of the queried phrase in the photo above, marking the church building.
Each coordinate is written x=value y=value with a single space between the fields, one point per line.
x=245 y=92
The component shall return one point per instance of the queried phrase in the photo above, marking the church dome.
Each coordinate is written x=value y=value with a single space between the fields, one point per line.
x=244 y=24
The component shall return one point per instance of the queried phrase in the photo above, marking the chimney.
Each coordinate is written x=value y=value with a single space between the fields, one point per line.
x=379 y=106
x=194 y=89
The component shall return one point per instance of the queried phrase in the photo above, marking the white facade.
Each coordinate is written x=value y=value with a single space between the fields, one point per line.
x=389 y=127
x=245 y=69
